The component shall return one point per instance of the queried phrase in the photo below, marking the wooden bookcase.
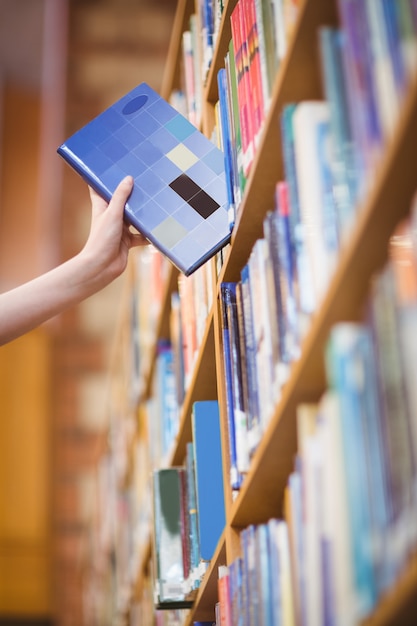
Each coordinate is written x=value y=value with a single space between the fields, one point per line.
x=387 y=202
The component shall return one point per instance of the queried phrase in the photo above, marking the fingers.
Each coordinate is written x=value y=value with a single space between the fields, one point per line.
x=122 y=192
x=119 y=198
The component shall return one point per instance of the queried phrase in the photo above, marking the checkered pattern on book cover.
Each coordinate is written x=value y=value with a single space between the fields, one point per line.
x=179 y=199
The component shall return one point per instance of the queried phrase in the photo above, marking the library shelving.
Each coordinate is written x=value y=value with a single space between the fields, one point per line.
x=389 y=183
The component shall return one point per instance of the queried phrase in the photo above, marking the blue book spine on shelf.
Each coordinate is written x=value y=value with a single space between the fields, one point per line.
x=209 y=475
x=235 y=477
x=227 y=142
x=394 y=43
x=253 y=415
x=343 y=151
x=347 y=377
x=264 y=580
x=248 y=543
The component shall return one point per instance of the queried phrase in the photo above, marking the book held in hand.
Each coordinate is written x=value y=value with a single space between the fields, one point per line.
x=179 y=199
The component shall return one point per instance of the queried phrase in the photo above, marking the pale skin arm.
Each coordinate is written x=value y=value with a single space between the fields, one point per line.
x=103 y=258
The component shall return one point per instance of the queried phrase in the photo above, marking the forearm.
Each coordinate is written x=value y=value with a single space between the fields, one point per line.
x=29 y=305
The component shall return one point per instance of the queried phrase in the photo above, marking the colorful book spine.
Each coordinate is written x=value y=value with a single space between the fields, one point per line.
x=239 y=177
x=243 y=86
x=254 y=68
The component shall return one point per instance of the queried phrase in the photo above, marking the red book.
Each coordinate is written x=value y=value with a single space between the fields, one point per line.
x=243 y=85
x=223 y=588
x=255 y=73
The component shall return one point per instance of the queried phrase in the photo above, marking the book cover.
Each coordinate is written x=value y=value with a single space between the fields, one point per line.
x=179 y=200
x=205 y=422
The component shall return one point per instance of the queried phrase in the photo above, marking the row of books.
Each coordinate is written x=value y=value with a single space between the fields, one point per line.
x=188 y=512
x=162 y=408
x=351 y=501
x=190 y=307
x=260 y=30
x=256 y=589
x=150 y=270
x=330 y=147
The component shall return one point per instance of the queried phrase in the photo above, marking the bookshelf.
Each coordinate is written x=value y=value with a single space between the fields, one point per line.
x=387 y=201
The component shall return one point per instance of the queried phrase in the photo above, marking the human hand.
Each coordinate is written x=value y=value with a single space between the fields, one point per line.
x=110 y=239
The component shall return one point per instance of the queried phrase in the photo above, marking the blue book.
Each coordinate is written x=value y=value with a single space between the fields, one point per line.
x=253 y=415
x=235 y=477
x=348 y=375
x=209 y=475
x=264 y=580
x=343 y=149
x=179 y=200
x=226 y=142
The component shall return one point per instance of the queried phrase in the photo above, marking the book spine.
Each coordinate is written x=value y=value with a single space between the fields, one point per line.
x=240 y=178
x=227 y=142
x=343 y=149
x=343 y=357
x=254 y=65
x=287 y=273
x=223 y=586
x=238 y=413
x=253 y=414
x=243 y=87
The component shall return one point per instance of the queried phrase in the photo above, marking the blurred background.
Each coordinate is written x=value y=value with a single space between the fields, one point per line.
x=61 y=63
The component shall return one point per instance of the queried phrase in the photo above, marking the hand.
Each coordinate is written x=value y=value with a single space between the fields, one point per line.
x=110 y=239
